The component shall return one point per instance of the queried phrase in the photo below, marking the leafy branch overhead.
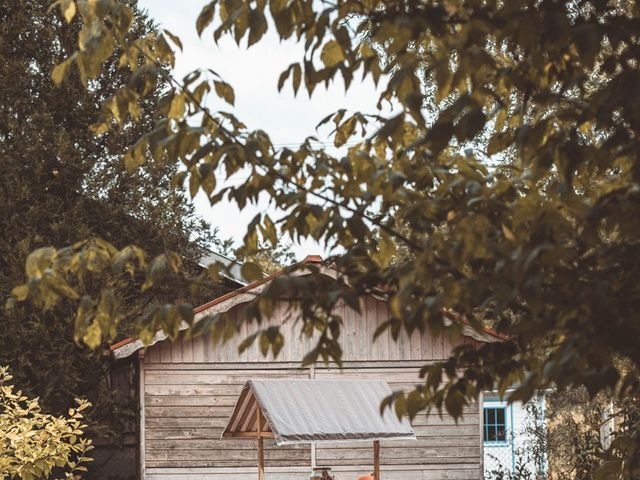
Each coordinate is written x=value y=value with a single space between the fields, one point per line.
x=504 y=188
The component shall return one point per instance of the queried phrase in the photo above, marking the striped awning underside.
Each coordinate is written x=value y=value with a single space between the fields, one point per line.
x=244 y=418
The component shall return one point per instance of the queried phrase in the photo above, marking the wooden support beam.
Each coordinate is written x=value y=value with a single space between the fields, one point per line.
x=260 y=446
x=248 y=435
x=376 y=460
x=143 y=423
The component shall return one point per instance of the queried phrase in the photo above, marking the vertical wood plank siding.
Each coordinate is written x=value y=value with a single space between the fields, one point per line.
x=190 y=387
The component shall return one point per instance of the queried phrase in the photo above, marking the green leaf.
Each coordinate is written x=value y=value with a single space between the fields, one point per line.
x=194 y=184
x=283 y=77
x=588 y=40
x=609 y=470
x=454 y=403
x=310 y=358
x=205 y=17
x=251 y=271
x=225 y=91
x=276 y=344
x=415 y=403
x=257 y=27
x=178 y=106
x=386 y=249
x=247 y=342
x=174 y=38
x=297 y=77
x=499 y=142
x=270 y=231
x=470 y=125
x=264 y=344
x=332 y=54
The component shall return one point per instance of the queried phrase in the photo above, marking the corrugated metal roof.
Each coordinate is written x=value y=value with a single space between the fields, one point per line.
x=305 y=411
x=234 y=268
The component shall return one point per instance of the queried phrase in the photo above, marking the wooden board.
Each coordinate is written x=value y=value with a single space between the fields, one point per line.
x=180 y=400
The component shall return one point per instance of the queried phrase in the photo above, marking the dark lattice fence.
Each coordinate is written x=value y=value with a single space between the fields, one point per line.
x=118 y=459
x=114 y=462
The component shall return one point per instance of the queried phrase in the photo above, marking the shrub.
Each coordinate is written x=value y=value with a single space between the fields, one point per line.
x=35 y=445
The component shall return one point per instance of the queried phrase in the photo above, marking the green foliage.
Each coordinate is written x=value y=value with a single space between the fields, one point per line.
x=270 y=258
x=575 y=445
x=35 y=445
x=581 y=428
x=505 y=188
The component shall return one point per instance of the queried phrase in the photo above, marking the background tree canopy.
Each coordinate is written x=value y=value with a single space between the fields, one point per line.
x=506 y=188
x=60 y=184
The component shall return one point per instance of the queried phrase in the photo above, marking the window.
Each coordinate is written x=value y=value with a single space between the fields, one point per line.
x=495 y=426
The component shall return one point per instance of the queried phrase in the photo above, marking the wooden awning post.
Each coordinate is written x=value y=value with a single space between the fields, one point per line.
x=260 y=447
x=376 y=460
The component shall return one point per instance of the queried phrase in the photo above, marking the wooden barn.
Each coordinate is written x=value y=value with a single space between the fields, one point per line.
x=188 y=389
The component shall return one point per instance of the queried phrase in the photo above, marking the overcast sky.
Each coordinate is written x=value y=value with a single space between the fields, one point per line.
x=254 y=75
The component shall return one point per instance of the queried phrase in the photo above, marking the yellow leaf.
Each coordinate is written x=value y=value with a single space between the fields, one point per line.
x=93 y=336
x=59 y=72
x=21 y=292
x=501 y=119
x=39 y=260
x=68 y=8
x=99 y=128
x=508 y=233
x=586 y=128
x=345 y=131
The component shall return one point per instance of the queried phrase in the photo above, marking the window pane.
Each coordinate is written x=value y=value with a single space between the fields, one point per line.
x=499 y=413
x=491 y=416
x=495 y=424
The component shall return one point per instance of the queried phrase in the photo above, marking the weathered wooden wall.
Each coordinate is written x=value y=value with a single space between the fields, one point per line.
x=190 y=387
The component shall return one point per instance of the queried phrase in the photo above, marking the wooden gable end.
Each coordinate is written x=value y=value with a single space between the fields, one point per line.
x=356 y=340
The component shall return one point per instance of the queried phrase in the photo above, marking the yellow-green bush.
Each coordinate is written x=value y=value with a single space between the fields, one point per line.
x=35 y=445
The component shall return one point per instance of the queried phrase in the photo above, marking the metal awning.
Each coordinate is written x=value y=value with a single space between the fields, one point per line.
x=307 y=411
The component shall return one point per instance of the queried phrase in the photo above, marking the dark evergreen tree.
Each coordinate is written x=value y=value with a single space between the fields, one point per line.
x=60 y=184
